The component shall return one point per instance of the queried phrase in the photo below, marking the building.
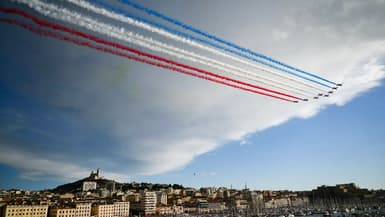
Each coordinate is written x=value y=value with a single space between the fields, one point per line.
x=148 y=202
x=89 y=185
x=189 y=192
x=95 y=175
x=351 y=187
x=83 y=209
x=2 y=207
x=241 y=204
x=300 y=202
x=117 y=209
x=278 y=203
x=67 y=196
x=202 y=206
x=133 y=197
x=161 y=198
x=26 y=211
x=103 y=210
x=62 y=212
x=77 y=210
x=121 y=209
x=217 y=207
x=256 y=200
x=169 y=210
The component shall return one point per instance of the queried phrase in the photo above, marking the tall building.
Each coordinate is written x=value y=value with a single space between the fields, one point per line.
x=148 y=202
x=26 y=211
x=117 y=209
x=161 y=198
x=78 y=210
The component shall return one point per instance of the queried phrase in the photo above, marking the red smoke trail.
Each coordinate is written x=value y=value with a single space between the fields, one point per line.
x=121 y=54
x=119 y=46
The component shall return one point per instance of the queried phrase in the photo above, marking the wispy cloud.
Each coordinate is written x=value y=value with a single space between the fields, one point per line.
x=34 y=167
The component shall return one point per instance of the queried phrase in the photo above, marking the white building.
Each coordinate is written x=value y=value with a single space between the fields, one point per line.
x=278 y=203
x=80 y=210
x=26 y=211
x=169 y=210
x=103 y=210
x=121 y=209
x=87 y=186
x=118 y=209
x=148 y=202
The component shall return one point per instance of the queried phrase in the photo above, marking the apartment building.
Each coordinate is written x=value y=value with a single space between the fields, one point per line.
x=26 y=211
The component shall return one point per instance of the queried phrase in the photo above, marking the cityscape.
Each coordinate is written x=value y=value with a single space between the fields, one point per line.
x=100 y=197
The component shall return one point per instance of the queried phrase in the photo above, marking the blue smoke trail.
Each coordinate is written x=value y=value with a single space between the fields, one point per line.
x=207 y=35
x=193 y=38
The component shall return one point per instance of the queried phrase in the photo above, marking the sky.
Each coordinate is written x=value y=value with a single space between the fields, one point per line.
x=66 y=110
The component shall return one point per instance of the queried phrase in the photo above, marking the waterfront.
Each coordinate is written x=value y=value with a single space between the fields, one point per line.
x=353 y=212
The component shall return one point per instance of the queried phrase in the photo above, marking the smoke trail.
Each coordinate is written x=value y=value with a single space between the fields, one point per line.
x=207 y=35
x=174 y=35
x=196 y=39
x=121 y=54
x=116 y=45
x=122 y=34
x=203 y=60
x=76 y=18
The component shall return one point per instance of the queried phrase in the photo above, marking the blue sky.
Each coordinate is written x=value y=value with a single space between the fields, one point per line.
x=339 y=145
x=65 y=110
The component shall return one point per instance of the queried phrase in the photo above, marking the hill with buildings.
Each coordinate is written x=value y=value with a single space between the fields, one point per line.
x=95 y=183
x=91 y=183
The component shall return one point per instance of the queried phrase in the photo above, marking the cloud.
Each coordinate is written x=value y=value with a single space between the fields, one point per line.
x=35 y=167
x=92 y=110
x=280 y=35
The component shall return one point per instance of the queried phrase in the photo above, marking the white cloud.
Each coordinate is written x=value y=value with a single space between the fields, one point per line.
x=280 y=35
x=35 y=167
x=239 y=114
x=212 y=174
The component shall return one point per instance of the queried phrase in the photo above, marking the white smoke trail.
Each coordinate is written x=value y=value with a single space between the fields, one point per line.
x=172 y=36
x=120 y=33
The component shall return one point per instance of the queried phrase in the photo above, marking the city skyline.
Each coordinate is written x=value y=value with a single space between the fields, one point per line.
x=65 y=109
x=97 y=196
x=90 y=183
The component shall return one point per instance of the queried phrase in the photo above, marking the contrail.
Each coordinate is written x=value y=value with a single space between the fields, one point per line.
x=132 y=50
x=207 y=35
x=181 y=37
x=75 y=18
x=131 y=57
x=196 y=39
x=122 y=34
